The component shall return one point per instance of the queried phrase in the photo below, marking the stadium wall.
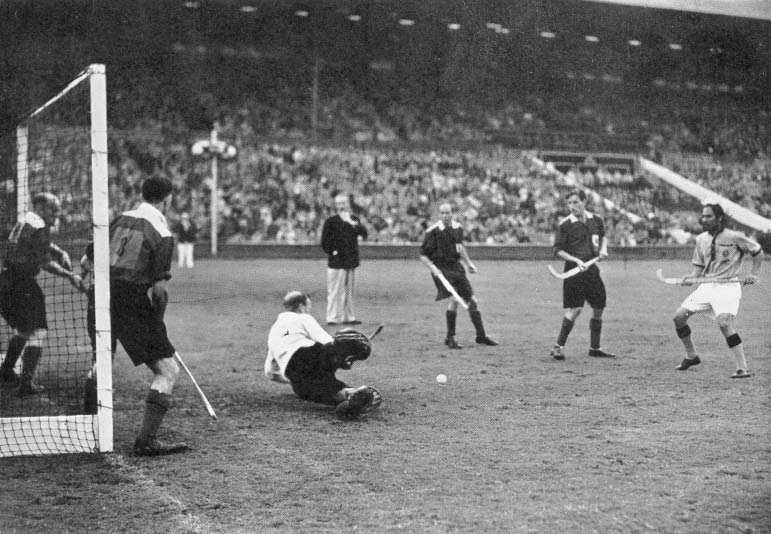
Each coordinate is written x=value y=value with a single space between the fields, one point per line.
x=400 y=252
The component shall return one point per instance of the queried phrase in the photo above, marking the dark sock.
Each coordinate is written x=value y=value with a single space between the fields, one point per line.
x=595 y=330
x=476 y=320
x=29 y=361
x=156 y=406
x=15 y=346
x=567 y=326
x=451 y=316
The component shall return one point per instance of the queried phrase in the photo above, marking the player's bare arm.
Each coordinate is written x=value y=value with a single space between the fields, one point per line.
x=464 y=257
x=159 y=295
x=55 y=268
x=569 y=257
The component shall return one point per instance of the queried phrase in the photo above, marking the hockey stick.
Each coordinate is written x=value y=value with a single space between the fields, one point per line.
x=376 y=332
x=698 y=280
x=447 y=285
x=197 y=387
x=572 y=272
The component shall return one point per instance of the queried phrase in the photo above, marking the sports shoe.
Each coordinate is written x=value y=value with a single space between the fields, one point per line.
x=599 y=353
x=450 y=342
x=360 y=401
x=741 y=373
x=152 y=447
x=557 y=352
x=484 y=340
x=688 y=362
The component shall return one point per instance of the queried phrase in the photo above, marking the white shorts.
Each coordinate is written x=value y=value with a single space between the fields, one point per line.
x=714 y=299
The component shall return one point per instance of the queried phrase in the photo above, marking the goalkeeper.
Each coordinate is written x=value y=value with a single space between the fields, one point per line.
x=303 y=354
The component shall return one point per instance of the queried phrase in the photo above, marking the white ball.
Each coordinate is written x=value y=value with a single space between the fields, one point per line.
x=442 y=379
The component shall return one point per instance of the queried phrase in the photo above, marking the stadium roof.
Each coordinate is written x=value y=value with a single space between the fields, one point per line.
x=754 y=9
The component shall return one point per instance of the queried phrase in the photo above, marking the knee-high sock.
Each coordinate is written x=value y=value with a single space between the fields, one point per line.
x=156 y=406
x=29 y=361
x=15 y=347
x=595 y=331
x=476 y=320
x=451 y=316
x=567 y=326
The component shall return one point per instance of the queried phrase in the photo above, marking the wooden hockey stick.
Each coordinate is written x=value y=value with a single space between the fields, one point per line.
x=698 y=280
x=376 y=332
x=572 y=272
x=447 y=285
x=197 y=387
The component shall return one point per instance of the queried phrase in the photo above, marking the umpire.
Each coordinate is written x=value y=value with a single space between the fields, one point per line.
x=580 y=238
x=340 y=240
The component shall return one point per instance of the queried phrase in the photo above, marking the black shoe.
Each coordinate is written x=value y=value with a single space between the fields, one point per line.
x=688 y=362
x=352 y=322
x=599 y=353
x=152 y=447
x=484 y=340
x=450 y=342
x=741 y=373
x=557 y=352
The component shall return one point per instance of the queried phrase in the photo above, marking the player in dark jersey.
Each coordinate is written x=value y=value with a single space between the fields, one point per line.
x=581 y=237
x=22 y=302
x=443 y=247
x=141 y=248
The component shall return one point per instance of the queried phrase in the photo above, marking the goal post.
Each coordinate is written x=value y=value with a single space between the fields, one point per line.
x=61 y=148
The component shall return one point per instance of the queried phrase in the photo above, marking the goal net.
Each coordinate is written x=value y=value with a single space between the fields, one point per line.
x=60 y=148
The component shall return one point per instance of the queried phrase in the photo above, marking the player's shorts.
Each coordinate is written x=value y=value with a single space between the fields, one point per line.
x=714 y=299
x=22 y=303
x=136 y=325
x=456 y=275
x=584 y=287
x=311 y=371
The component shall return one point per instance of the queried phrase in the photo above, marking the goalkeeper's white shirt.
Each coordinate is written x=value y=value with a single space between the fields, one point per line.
x=291 y=332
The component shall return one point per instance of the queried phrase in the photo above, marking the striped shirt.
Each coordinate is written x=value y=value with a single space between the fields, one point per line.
x=141 y=247
x=725 y=259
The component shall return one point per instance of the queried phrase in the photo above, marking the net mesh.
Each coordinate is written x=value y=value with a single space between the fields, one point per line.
x=51 y=152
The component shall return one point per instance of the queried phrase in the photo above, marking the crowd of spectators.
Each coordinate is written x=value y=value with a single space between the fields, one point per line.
x=400 y=157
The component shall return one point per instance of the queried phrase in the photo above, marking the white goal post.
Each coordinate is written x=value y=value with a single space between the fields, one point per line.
x=61 y=148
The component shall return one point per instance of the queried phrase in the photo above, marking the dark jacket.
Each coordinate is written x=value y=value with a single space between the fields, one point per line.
x=339 y=241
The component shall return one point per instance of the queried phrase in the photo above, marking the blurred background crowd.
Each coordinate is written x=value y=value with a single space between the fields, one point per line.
x=400 y=135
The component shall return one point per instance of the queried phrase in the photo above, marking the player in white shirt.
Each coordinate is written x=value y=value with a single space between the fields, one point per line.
x=302 y=354
x=718 y=254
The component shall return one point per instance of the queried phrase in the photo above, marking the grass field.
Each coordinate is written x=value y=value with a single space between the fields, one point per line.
x=514 y=442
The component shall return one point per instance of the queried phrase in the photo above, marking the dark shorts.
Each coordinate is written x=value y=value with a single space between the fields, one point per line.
x=311 y=370
x=584 y=287
x=456 y=275
x=135 y=324
x=22 y=303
